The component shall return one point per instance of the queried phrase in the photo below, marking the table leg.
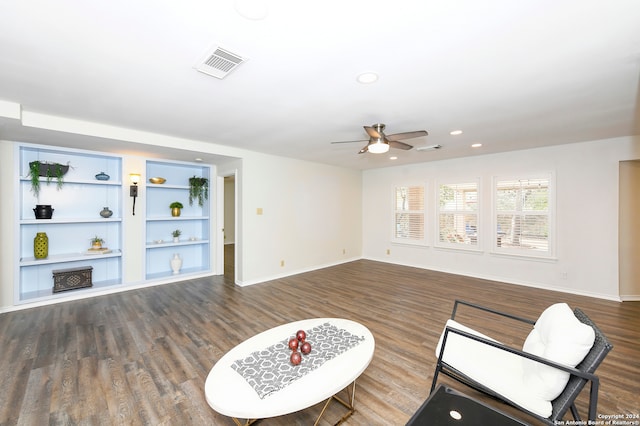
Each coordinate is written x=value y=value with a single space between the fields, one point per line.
x=246 y=423
x=350 y=404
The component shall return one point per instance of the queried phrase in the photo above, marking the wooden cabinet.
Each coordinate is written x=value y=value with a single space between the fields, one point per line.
x=75 y=221
x=194 y=222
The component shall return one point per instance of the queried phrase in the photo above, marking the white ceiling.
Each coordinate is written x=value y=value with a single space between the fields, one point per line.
x=510 y=74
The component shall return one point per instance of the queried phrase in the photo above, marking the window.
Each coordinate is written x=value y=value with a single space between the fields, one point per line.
x=523 y=216
x=458 y=215
x=409 y=215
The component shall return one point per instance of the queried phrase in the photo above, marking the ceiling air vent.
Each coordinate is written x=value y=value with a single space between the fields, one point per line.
x=428 y=147
x=219 y=62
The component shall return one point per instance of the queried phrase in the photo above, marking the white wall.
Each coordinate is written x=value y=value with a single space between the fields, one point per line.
x=587 y=216
x=7 y=233
x=311 y=216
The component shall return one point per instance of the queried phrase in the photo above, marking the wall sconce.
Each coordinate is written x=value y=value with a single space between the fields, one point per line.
x=133 y=189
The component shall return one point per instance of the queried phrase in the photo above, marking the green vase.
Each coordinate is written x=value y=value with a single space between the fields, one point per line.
x=41 y=245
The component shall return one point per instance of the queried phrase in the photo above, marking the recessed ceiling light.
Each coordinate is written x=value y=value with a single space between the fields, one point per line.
x=252 y=9
x=198 y=159
x=367 y=77
x=455 y=132
x=393 y=158
x=476 y=145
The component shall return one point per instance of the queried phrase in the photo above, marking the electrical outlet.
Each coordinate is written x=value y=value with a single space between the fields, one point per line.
x=563 y=275
x=388 y=251
x=282 y=263
x=259 y=211
x=344 y=251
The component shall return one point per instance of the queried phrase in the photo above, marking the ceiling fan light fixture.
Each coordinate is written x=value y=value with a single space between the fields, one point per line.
x=378 y=146
x=367 y=77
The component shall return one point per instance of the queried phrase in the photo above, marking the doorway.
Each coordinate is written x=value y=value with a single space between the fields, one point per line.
x=229 y=234
x=629 y=231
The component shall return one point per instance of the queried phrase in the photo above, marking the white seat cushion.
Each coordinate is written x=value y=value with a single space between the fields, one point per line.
x=496 y=369
x=560 y=337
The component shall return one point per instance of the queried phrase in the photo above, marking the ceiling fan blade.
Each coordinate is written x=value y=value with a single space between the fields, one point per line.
x=365 y=149
x=361 y=140
x=372 y=132
x=407 y=135
x=400 y=145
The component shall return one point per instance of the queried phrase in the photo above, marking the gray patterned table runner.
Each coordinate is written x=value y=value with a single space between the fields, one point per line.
x=270 y=370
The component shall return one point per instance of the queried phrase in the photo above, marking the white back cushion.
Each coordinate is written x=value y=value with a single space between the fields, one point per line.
x=558 y=336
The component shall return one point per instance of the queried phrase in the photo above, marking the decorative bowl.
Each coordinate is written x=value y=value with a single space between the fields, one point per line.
x=102 y=176
x=157 y=180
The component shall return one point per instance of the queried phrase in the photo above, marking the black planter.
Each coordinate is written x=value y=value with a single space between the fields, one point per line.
x=43 y=211
x=51 y=170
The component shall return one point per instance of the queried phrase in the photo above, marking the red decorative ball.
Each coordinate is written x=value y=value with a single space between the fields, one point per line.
x=293 y=344
x=295 y=358
x=305 y=348
x=301 y=335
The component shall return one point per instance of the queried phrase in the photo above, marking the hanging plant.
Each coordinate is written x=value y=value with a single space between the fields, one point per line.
x=198 y=189
x=39 y=169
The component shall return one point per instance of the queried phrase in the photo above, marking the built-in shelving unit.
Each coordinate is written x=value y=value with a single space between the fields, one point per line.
x=76 y=219
x=194 y=246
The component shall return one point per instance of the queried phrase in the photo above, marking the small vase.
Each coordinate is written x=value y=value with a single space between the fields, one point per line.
x=176 y=239
x=175 y=211
x=106 y=212
x=41 y=245
x=43 y=211
x=176 y=264
x=102 y=176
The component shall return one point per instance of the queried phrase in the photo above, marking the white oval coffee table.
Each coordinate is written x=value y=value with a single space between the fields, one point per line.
x=230 y=394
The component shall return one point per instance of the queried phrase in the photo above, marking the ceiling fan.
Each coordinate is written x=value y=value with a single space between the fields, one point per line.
x=379 y=143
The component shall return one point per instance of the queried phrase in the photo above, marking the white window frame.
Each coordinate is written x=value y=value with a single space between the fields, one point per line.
x=419 y=212
x=498 y=242
x=462 y=237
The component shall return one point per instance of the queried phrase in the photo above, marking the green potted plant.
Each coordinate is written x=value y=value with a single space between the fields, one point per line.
x=96 y=243
x=175 y=208
x=176 y=235
x=39 y=169
x=198 y=189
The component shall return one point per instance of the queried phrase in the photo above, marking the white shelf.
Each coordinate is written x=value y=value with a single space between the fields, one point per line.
x=175 y=218
x=72 y=181
x=71 y=257
x=164 y=186
x=54 y=221
x=183 y=272
x=46 y=294
x=153 y=245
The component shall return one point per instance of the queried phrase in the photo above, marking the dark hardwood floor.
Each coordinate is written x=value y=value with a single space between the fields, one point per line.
x=141 y=357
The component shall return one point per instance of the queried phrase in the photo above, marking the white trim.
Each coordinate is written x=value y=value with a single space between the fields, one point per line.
x=502 y=280
x=295 y=272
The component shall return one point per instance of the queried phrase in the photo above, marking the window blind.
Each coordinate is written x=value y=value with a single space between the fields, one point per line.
x=523 y=215
x=409 y=214
x=458 y=214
